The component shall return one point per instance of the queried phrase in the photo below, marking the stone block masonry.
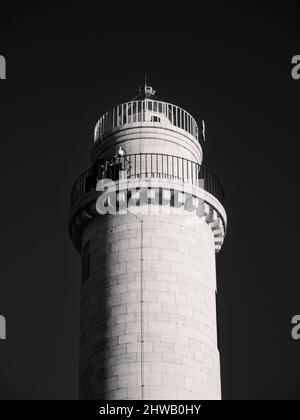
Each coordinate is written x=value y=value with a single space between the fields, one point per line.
x=148 y=318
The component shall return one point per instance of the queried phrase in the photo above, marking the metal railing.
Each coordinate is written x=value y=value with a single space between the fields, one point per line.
x=146 y=166
x=146 y=110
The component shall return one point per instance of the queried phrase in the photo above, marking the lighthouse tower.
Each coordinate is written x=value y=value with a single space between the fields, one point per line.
x=147 y=219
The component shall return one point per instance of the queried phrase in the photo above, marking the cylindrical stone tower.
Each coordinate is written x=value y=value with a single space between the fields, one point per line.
x=147 y=219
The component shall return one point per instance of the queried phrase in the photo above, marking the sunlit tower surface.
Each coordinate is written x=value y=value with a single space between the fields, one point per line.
x=148 y=240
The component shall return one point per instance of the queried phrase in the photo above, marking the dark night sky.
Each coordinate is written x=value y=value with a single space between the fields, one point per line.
x=231 y=65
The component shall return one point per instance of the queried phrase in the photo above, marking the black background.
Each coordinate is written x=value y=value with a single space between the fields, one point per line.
x=228 y=63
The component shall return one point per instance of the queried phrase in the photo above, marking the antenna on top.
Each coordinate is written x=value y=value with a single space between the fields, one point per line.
x=146 y=91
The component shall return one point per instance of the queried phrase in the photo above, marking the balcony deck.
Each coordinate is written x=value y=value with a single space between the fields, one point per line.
x=147 y=166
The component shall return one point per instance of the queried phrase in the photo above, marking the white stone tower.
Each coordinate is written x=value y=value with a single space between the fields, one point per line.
x=148 y=240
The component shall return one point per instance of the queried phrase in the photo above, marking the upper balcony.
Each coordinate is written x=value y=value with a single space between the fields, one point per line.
x=146 y=110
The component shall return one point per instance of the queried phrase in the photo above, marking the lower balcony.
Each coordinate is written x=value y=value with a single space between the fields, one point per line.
x=146 y=166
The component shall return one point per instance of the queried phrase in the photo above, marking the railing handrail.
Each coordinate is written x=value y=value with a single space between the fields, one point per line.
x=118 y=116
x=165 y=166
